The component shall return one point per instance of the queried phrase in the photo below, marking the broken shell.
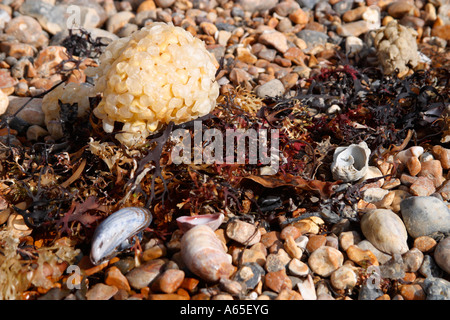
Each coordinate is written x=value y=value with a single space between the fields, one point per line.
x=113 y=235
x=350 y=163
x=205 y=255
x=211 y=220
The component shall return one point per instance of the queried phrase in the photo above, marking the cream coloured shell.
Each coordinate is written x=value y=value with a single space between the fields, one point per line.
x=205 y=255
x=350 y=163
x=111 y=235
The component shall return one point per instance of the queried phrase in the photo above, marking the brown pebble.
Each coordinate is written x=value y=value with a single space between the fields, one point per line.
x=384 y=297
x=190 y=284
x=432 y=170
x=315 y=242
x=270 y=238
x=114 y=277
x=278 y=280
x=290 y=231
x=101 y=291
x=361 y=257
x=443 y=155
x=412 y=292
x=169 y=281
x=414 y=166
x=154 y=252
x=167 y=296
x=425 y=243
x=289 y=294
x=299 y=17
x=423 y=186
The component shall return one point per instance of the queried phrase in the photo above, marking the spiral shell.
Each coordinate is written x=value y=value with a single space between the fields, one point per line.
x=112 y=235
x=350 y=163
x=205 y=255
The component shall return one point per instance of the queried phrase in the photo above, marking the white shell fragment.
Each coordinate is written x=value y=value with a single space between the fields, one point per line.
x=117 y=229
x=211 y=220
x=350 y=163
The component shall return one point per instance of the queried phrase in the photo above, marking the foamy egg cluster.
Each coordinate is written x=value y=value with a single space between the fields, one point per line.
x=159 y=74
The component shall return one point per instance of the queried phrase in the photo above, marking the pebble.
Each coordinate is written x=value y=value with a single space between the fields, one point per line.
x=425 y=243
x=312 y=39
x=325 y=260
x=141 y=276
x=118 y=21
x=432 y=170
x=413 y=260
x=277 y=280
x=114 y=277
x=361 y=257
x=292 y=249
x=272 y=88
x=442 y=254
x=344 y=278
x=275 y=39
x=429 y=268
x=32 y=113
x=168 y=281
x=4 y=102
x=299 y=17
x=436 y=288
x=422 y=187
x=243 y=232
x=101 y=291
x=250 y=274
x=355 y=29
x=353 y=45
x=412 y=292
x=385 y=230
x=298 y=268
x=257 y=5
x=315 y=242
x=424 y=216
x=27 y=30
x=398 y=9
x=277 y=261
x=369 y=292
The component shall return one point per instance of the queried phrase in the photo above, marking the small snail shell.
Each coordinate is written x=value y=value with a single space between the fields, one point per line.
x=205 y=255
x=113 y=234
x=350 y=163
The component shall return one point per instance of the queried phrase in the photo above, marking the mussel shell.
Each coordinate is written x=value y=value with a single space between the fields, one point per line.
x=117 y=229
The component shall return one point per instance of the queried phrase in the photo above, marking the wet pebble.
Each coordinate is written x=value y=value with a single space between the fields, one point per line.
x=442 y=254
x=424 y=216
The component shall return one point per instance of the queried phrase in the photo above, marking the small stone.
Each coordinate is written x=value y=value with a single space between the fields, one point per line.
x=312 y=38
x=298 y=268
x=429 y=268
x=101 y=292
x=369 y=292
x=141 y=276
x=243 y=232
x=244 y=55
x=385 y=230
x=288 y=294
x=381 y=256
x=444 y=190
x=231 y=286
x=307 y=226
x=277 y=261
x=292 y=231
x=353 y=46
x=442 y=254
x=250 y=274
x=432 y=170
x=361 y=257
x=398 y=9
x=167 y=296
x=354 y=14
x=154 y=252
x=277 y=280
x=7 y=82
x=168 y=281
x=414 y=166
x=269 y=238
x=355 y=29
x=32 y=113
x=27 y=30
x=412 y=292
x=424 y=216
x=4 y=102
x=374 y=195
x=286 y=7
x=257 y=5
x=436 y=288
x=118 y=21
x=150 y=5
x=394 y=268
x=423 y=187
x=343 y=278
x=325 y=260
x=208 y=28
x=315 y=242
x=425 y=243
x=413 y=260
x=275 y=39
x=299 y=17
x=292 y=249
x=114 y=277
x=399 y=196
x=442 y=32
x=164 y=3
x=271 y=89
